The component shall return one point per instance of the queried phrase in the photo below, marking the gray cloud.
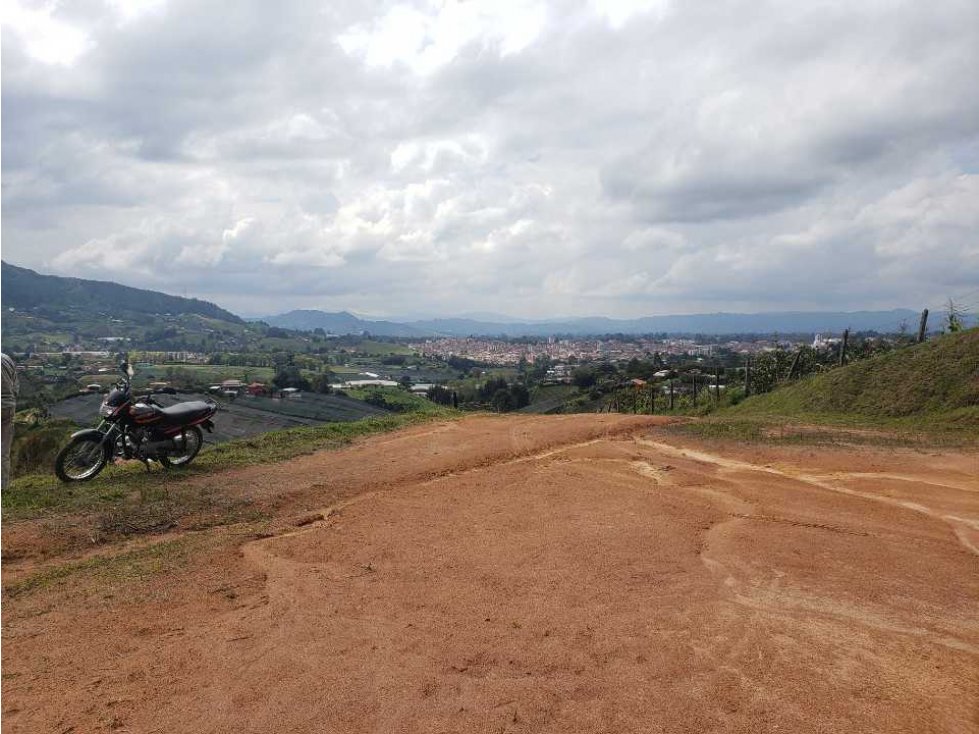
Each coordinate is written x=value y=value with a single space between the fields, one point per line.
x=521 y=157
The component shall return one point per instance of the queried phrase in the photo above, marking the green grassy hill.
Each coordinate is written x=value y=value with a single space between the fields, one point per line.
x=936 y=383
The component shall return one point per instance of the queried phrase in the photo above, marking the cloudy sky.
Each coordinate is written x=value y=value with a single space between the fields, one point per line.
x=531 y=158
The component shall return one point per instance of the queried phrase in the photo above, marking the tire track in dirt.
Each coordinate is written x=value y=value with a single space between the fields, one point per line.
x=779 y=600
x=963 y=528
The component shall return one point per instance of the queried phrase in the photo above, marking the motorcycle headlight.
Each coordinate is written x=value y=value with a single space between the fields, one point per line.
x=106 y=410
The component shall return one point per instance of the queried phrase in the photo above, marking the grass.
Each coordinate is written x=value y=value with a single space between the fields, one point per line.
x=42 y=494
x=550 y=398
x=825 y=429
x=399 y=400
x=126 y=567
x=925 y=393
x=381 y=348
x=930 y=379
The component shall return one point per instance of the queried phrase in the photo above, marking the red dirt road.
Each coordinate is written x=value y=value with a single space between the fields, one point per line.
x=562 y=574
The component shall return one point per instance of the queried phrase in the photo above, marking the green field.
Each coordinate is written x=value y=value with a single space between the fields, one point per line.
x=379 y=349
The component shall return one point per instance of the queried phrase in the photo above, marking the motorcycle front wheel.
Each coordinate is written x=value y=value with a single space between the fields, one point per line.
x=193 y=440
x=82 y=459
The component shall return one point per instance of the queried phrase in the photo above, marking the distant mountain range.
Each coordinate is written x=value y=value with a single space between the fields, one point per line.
x=340 y=322
x=784 y=322
x=25 y=289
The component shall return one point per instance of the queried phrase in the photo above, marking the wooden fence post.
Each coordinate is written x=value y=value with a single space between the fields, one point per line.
x=747 y=377
x=846 y=338
x=652 y=400
x=671 y=395
x=795 y=363
x=717 y=385
x=922 y=325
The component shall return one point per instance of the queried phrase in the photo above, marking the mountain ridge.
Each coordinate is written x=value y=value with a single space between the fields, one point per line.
x=25 y=289
x=785 y=322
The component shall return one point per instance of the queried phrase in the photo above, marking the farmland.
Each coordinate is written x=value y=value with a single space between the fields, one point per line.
x=246 y=416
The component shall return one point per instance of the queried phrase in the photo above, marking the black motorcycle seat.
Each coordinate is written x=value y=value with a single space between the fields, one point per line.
x=188 y=412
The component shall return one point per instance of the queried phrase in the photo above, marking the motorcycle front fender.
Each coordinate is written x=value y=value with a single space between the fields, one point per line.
x=93 y=433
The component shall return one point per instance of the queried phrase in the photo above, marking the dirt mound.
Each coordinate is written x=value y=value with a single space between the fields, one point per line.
x=574 y=573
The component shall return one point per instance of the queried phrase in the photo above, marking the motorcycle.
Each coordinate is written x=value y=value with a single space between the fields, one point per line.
x=136 y=427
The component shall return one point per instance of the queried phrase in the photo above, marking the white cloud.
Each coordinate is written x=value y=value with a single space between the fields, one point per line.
x=535 y=158
x=46 y=37
x=618 y=12
x=427 y=38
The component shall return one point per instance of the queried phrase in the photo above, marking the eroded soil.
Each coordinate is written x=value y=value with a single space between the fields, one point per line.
x=566 y=574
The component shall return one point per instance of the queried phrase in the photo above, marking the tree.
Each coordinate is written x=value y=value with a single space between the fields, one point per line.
x=439 y=395
x=954 y=317
x=519 y=396
x=502 y=401
x=491 y=387
x=768 y=368
x=290 y=376
x=583 y=377
x=321 y=382
x=542 y=363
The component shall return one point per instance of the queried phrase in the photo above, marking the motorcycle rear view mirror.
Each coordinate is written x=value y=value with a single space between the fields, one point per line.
x=126 y=369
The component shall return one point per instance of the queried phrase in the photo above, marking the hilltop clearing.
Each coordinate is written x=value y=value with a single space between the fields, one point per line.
x=576 y=573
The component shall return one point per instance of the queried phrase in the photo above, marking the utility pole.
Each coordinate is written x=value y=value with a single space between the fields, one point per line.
x=846 y=338
x=922 y=326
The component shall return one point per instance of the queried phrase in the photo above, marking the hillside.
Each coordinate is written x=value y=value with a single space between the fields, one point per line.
x=938 y=379
x=49 y=313
x=26 y=289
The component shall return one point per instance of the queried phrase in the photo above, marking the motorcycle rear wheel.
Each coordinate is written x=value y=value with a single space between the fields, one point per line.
x=193 y=440
x=82 y=459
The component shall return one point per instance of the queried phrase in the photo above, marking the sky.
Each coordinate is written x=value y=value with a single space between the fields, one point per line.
x=534 y=159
